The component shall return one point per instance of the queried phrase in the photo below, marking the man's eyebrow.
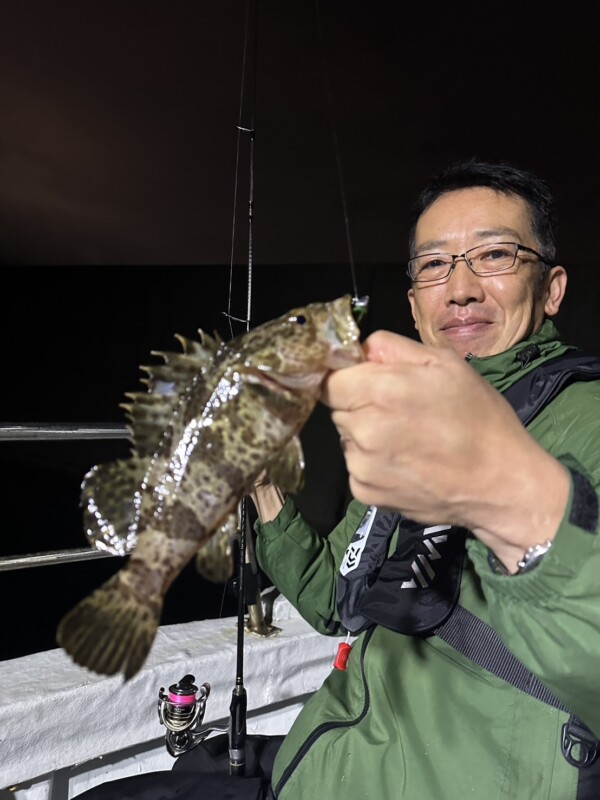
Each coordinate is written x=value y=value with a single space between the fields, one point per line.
x=438 y=245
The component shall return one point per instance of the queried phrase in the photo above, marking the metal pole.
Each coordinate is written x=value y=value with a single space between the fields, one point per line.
x=69 y=430
x=51 y=557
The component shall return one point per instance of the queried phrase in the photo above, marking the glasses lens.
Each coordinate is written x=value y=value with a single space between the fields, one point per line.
x=430 y=267
x=493 y=257
x=484 y=259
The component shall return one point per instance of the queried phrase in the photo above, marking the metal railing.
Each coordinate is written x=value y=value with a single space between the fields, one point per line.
x=37 y=431
x=256 y=622
x=63 y=431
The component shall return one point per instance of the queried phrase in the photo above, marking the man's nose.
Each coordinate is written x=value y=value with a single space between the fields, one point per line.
x=463 y=285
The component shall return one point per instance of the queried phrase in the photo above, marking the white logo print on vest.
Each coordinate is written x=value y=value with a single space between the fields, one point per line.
x=421 y=566
x=355 y=548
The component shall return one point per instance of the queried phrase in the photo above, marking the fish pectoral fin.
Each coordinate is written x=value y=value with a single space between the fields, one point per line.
x=112 y=630
x=287 y=470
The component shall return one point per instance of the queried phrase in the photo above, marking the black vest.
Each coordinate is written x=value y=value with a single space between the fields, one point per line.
x=415 y=589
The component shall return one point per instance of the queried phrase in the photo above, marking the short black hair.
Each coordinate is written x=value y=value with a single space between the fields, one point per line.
x=501 y=177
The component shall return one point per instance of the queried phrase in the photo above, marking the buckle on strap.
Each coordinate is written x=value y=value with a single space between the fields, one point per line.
x=578 y=744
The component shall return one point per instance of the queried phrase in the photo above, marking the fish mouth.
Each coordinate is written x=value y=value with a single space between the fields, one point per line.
x=343 y=335
x=311 y=380
x=287 y=383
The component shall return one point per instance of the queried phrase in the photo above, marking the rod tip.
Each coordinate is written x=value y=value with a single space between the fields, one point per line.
x=360 y=307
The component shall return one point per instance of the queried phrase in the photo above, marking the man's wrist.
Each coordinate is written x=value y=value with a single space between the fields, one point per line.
x=268 y=500
x=528 y=517
x=530 y=559
x=582 y=511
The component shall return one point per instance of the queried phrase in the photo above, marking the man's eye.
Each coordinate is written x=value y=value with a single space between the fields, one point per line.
x=432 y=263
x=496 y=253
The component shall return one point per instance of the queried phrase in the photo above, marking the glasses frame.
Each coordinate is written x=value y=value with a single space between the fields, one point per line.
x=463 y=257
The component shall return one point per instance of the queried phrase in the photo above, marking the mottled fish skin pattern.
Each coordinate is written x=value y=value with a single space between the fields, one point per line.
x=215 y=559
x=213 y=418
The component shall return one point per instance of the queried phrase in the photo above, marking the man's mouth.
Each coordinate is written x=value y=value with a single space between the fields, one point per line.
x=465 y=327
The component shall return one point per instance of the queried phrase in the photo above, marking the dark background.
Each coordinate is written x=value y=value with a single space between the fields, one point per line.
x=118 y=154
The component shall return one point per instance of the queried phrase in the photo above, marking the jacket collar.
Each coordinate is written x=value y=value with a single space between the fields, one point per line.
x=504 y=369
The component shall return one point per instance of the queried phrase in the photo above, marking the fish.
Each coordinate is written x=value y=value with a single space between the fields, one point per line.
x=211 y=419
x=214 y=561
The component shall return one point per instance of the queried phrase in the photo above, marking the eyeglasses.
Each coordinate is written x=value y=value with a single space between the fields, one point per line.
x=485 y=259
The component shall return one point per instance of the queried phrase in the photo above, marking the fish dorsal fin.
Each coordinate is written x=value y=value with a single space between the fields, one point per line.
x=207 y=346
x=150 y=413
x=148 y=416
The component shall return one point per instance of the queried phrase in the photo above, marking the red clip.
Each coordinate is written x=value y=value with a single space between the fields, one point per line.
x=341 y=658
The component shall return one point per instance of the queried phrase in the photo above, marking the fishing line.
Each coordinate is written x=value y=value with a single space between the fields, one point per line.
x=243 y=129
x=336 y=149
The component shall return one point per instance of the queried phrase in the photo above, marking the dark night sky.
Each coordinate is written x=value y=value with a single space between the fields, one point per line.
x=117 y=172
x=118 y=131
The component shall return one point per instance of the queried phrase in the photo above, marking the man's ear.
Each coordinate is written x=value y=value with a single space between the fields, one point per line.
x=411 y=300
x=556 y=286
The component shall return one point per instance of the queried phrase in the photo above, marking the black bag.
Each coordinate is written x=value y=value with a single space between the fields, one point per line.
x=200 y=774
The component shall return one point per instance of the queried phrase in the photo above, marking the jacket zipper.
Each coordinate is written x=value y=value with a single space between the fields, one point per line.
x=327 y=726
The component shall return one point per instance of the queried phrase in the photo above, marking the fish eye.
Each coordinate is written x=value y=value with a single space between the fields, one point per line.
x=300 y=319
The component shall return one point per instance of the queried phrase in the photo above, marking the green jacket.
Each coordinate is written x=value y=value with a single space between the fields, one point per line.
x=412 y=717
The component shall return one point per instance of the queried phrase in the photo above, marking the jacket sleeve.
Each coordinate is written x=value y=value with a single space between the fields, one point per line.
x=550 y=617
x=303 y=565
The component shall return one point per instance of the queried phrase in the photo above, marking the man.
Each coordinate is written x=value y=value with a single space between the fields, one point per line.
x=495 y=535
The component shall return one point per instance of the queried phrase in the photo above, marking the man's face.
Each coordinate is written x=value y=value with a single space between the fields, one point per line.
x=487 y=314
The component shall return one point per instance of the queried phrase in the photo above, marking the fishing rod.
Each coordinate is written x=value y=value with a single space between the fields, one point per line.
x=239 y=700
x=182 y=709
x=238 y=707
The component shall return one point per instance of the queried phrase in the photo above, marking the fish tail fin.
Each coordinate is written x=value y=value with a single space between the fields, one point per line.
x=111 y=630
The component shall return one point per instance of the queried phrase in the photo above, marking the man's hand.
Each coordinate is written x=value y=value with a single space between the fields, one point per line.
x=423 y=433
